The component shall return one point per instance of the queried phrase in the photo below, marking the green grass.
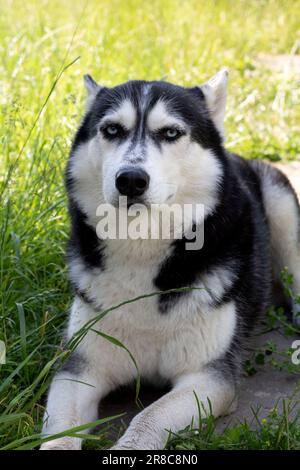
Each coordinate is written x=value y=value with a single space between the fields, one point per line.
x=280 y=431
x=45 y=48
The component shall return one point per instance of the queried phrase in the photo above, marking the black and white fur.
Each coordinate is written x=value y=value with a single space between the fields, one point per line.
x=193 y=340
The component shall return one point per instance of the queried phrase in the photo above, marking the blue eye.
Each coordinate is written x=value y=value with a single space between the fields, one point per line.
x=112 y=131
x=171 y=133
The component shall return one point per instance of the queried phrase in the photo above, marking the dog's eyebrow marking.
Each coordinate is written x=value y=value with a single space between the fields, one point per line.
x=125 y=115
x=159 y=117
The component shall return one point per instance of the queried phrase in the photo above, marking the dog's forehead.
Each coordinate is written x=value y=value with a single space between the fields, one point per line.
x=156 y=103
x=160 y=115
x=123 y=113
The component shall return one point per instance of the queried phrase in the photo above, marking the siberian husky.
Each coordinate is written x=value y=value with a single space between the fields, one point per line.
x=156 y=143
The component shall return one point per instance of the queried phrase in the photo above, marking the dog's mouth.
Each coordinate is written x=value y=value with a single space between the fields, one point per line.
x=127 y=202
x=137 y=200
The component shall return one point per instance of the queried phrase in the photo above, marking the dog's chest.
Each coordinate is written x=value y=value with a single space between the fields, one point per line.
x=127 y=284
x=125 y=277
x=165 y=344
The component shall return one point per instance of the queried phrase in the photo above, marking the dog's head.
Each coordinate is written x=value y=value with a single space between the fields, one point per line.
x=154 y=142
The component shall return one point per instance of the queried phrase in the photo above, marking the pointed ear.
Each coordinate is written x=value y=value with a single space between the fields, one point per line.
x=92 y=89
x=215 y=93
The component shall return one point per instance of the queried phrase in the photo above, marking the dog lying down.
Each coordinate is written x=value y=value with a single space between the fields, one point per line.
x=154 y=145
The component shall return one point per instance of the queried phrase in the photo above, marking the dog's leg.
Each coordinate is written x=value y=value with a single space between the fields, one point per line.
x=176 y=410
x=73 y=401
x=283 y=213
x=78 y=386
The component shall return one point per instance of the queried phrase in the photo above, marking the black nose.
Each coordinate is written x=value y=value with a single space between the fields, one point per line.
x=132 y=182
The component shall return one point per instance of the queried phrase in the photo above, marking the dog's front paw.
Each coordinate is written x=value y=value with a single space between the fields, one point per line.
x=138 y=442
x=121 y=447
x=64 y=443
x=128 y=446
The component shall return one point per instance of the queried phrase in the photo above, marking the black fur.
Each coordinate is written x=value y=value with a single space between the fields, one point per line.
x=84 y=241
x=235 y=234
x=75 y=364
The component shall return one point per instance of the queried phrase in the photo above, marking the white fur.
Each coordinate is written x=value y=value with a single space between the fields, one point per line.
x=124 y=115
x=159 y=117
x=165 y=347
x=215 y=91
x=171 y=413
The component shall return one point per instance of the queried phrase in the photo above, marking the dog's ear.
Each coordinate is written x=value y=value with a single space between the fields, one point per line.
x=92 y=89
x=215 y=93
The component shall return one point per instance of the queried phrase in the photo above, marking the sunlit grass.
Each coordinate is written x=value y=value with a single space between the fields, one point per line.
x=45 y=48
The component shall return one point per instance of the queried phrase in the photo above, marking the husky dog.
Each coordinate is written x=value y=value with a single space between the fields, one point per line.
x=158 y=143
